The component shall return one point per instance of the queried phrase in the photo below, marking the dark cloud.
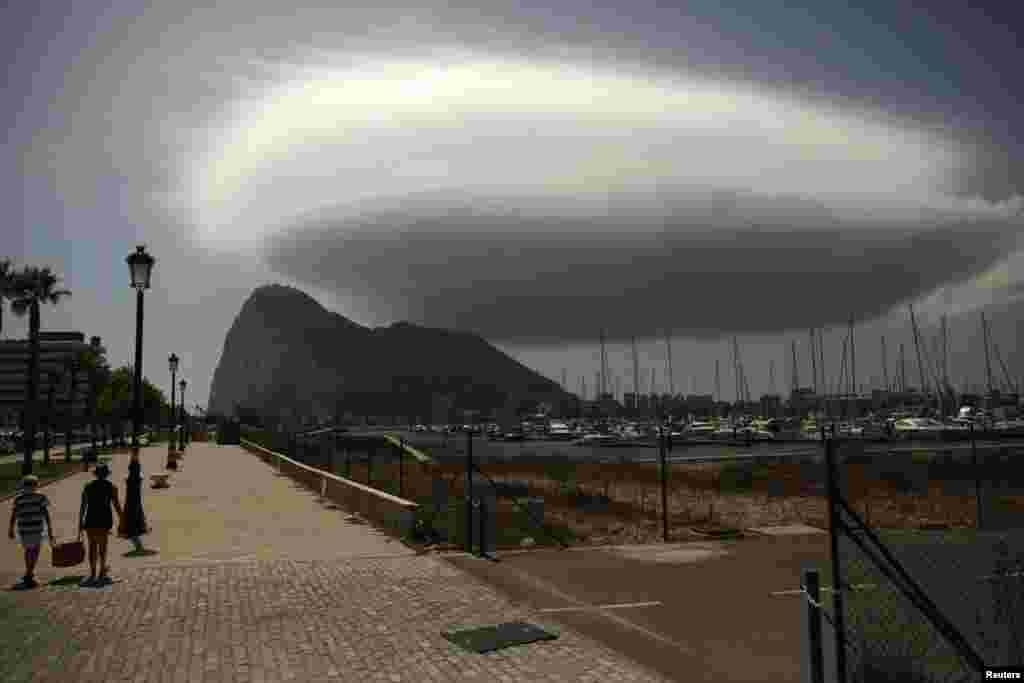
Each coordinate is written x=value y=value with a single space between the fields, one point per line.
x=733 y=264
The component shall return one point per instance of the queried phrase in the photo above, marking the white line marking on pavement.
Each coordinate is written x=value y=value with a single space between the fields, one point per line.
x=620 y=605
x=554 y=591
x=823 y=589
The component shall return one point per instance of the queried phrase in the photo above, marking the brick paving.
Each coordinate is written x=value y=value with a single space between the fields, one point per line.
x=257 y=581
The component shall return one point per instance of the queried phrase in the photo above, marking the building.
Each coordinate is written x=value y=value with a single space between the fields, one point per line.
x=56 y=350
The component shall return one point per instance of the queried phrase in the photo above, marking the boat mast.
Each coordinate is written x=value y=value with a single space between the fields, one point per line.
x=654 y=396
x=853 y=374
x=903 y=370
x=636 y=375
x=821 y=368
x=842 y=384
x=671 y=379
x=718 y=385
x=1006 y=374
x=604 y=369
x=885 y=367
x=814 y=365
x=796 y=375
x=917 y=347
x=988 y=362
x=945 y=353
x=771 y=376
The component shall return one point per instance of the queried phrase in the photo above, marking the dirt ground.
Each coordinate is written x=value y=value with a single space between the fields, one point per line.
x=715 y=618
x=621 y=503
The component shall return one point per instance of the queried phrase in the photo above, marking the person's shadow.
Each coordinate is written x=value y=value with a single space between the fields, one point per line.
x=144 y=552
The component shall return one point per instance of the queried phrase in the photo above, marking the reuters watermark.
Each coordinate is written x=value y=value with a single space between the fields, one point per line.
x=1005 y=673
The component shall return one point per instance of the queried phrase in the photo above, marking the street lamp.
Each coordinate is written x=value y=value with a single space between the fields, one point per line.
x=172 y=363
x=181 y=440
x=140 y=264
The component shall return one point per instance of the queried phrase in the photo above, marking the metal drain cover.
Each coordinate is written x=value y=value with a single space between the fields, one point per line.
x=490 y=638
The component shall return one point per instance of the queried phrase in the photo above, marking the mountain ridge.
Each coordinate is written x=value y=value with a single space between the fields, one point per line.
x=287 y=355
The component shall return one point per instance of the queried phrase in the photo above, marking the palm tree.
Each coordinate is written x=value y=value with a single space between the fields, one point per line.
x=31 y=287
x=6 y=284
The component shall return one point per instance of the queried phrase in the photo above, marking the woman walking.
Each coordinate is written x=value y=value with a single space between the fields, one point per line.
x=97 y=521
x=133 y=523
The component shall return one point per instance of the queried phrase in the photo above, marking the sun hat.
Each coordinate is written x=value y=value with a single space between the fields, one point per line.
x=102 y=470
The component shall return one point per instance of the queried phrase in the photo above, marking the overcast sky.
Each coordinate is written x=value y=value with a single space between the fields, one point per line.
x=529 y=173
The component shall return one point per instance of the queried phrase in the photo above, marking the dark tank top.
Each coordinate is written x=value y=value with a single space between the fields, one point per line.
x=97 y=497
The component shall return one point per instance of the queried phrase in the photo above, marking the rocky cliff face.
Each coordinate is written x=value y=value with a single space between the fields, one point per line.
x=287 y=355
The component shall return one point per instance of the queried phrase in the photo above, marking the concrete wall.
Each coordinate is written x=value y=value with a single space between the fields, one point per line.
x=391 y=512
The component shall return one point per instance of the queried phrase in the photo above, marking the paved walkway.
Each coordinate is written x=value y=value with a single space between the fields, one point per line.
x=256 y=580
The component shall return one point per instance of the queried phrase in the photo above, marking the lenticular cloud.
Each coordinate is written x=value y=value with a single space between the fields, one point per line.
x=532 y=132
x=534 y=200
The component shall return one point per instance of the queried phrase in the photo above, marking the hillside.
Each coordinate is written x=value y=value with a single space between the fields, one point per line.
x=285 y=354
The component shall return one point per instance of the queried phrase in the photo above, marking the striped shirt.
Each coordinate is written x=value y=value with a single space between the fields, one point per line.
x=30 y=511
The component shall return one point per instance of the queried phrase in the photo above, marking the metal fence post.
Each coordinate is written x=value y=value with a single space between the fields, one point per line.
x=332 y=444
x=469 y=492
x=664 y=484
x=813 y=598
x=837 y=577
x=977 y=479
x=483 y=526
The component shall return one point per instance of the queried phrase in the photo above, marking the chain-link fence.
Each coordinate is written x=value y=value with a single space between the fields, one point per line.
x=930 y=601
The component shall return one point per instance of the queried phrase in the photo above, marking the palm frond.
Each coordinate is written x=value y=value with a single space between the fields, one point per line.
x=20 y=307
x=33 y=283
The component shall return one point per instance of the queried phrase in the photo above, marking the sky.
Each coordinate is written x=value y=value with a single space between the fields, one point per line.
x=532 y=172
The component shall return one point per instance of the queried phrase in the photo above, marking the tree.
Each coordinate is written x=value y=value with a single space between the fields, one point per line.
x=114 y=401
x=94 y=362
x=31 y=287
x=6 y=287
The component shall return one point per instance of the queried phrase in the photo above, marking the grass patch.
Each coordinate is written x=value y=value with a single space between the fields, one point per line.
x=10 y=473
x=28 y=635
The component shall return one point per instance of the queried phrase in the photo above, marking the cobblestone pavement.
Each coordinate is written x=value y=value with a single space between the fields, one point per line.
x=222 y=605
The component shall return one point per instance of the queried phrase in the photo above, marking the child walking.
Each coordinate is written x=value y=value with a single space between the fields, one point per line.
x=31 y=511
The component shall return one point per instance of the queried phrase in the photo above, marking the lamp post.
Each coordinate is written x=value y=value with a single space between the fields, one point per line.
x=140 y=264
x=172 y=364
x=181 y=440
